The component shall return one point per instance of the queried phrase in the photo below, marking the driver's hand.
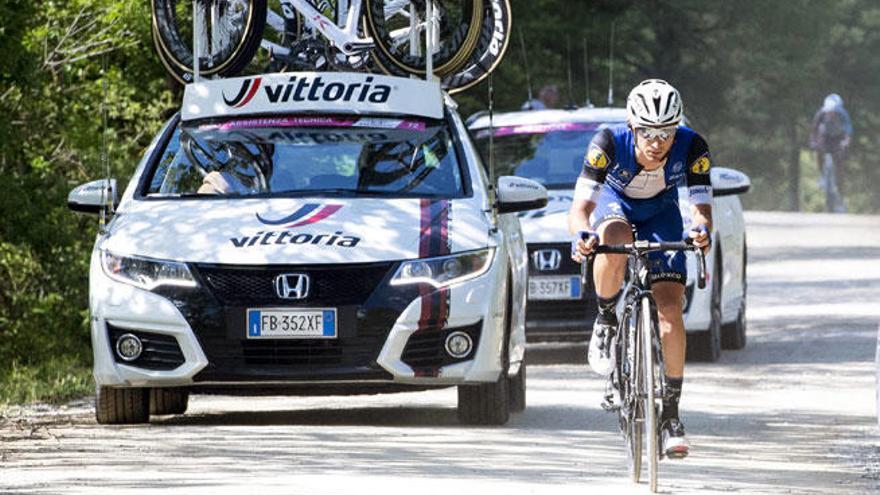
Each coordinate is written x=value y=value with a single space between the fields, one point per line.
x=215 y=183
x=583 y=245
x=700 y=235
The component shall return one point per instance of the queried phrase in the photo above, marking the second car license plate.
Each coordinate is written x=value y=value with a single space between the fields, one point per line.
x=286 y=323
x=559 y=287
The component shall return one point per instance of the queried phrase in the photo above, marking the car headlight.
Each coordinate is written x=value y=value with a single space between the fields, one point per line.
x=146 y=273
x=445 y=270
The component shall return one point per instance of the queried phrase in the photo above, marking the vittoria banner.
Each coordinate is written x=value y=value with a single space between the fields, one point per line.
x=324 y=92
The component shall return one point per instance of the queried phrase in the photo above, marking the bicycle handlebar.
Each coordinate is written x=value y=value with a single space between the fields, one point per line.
x=638 y=248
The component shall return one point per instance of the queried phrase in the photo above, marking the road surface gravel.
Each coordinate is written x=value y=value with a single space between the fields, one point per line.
x=794 y=412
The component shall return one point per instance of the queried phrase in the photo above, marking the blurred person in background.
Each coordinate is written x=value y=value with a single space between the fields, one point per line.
x=548 y=97
x=831 y=134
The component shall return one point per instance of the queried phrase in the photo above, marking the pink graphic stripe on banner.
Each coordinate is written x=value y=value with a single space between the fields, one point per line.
x=317 y=217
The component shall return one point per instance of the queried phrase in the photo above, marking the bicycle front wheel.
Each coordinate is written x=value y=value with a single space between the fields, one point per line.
x=229 y=35
x=633 y=411
x=398 y=30
x=648 y=371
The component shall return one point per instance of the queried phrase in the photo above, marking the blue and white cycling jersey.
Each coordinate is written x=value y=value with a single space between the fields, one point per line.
x=611 y=161
x=647 y=199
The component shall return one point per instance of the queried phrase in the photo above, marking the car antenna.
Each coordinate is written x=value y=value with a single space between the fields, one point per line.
x=106 y=194
x=587 y=101
x=611 y=67
x=493 y=193
x=571 y=104
x=522 y=45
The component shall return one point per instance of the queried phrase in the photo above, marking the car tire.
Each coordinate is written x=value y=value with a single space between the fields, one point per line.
x=734 y=334
x=706 y=345
x=517 y=390
x=168 y=401
x=115 y=406
x=489 y=403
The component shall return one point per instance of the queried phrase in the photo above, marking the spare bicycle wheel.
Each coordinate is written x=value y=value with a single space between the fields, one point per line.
x=458 y=22
x=494 y=38
x=230 y=35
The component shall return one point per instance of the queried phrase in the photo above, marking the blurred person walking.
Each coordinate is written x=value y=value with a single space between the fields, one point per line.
x=830 y=138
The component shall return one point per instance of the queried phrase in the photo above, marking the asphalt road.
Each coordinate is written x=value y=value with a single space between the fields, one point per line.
x=792 y=413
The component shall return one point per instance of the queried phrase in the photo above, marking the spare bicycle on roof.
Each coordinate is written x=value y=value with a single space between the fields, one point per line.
x=465 y=38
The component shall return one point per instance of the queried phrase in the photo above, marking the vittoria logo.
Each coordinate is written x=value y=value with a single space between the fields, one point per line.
x=248 y=89
x=307 y=214
x=306 y=88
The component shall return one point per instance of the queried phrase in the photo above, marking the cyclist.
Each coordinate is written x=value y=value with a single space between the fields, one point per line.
x=630 y=177
x=831 y=133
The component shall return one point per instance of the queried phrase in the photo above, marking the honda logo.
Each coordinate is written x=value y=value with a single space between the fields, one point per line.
x=292 y=286
x=547 y=260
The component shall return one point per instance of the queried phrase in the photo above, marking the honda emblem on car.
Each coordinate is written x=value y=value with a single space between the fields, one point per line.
x=547 y=260
x=292 y=286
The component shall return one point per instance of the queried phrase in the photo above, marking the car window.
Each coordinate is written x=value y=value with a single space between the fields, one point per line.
x=552 y=154
x=310 y=155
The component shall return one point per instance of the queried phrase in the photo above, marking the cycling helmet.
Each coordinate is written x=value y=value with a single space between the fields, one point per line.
x=654 y=103
x=832 y=102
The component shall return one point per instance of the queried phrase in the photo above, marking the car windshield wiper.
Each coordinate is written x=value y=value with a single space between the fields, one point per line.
x=333 y=192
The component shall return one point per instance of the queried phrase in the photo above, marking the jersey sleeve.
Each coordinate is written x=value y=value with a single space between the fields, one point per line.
x=699 y=162
x=600 y=154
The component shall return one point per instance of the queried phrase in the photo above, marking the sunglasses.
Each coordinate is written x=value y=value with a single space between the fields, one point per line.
x=655 y=133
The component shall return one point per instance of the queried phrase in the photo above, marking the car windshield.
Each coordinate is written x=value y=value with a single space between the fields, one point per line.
x=314 y=155
x=552 y=154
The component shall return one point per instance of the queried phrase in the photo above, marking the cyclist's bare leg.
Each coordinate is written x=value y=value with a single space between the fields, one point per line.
x=669 y=297
x=609 y=269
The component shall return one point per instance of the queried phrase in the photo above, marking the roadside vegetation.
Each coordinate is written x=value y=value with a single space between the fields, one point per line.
x=752 y=74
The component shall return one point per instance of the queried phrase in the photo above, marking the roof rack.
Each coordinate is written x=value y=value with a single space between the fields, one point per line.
x=316 y=92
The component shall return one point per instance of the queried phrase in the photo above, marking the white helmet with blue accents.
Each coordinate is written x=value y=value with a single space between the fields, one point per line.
x=654 y=103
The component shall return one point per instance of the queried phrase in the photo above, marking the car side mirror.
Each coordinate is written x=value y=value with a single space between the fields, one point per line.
x=727 y=182
x=94 y=196
x=519 y=194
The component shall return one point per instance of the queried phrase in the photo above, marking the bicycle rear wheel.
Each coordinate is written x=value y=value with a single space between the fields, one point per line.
x=230 y=35
x=648 y=371
x=388 y=22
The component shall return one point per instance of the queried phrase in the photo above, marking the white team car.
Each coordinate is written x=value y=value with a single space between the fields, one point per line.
x=308 y=233
x=548 y=146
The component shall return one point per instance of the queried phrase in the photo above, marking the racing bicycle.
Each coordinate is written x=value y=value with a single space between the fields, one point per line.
x=637 y=385
x=470 y=36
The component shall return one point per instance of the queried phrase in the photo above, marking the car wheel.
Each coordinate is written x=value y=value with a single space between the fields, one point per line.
x=706 y=345
x=517 y=389
x=168 y=401
x=489 y=403
x=734 y=334
x=115 y=406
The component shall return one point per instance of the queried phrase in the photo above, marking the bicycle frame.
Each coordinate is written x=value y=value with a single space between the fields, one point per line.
x=345 y=38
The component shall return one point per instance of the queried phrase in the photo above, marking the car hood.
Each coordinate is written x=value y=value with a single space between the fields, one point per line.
x=550 y=223
x=296 y=231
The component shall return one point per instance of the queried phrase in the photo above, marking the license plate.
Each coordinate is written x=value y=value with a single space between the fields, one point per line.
x=311 y=323
x=564 y=287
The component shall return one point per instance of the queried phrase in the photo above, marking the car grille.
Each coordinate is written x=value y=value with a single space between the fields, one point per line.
x=160 y=352
x=248 y=285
